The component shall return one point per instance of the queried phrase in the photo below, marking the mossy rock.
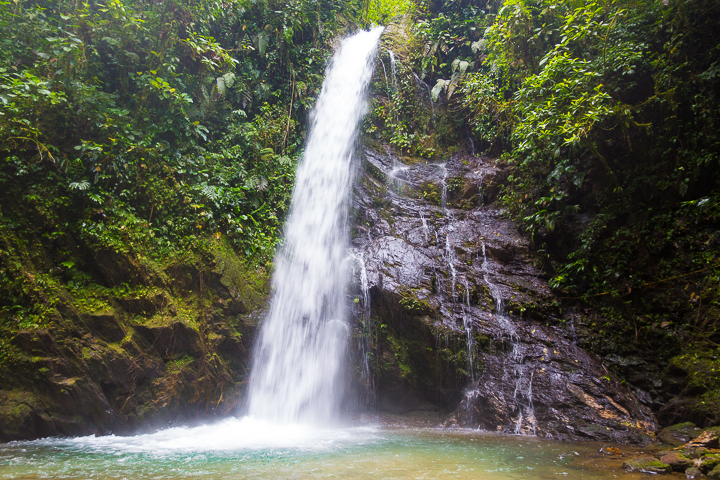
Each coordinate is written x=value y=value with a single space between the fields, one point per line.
x=647 y=465
x=679 y=434
x=714 y=474
x=710 y=462
x=677 y=461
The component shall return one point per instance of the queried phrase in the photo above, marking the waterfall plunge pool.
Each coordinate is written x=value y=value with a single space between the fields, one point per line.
x=240 y=448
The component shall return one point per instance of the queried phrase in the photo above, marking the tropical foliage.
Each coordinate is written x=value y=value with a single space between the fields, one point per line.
x=151 y=129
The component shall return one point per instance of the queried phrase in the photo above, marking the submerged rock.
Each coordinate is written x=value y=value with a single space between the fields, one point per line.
x=647 y=465
x=459 y=315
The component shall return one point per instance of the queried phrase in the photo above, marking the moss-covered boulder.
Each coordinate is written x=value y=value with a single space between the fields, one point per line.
x=647 y=465
x=679 y=434
x=677 y=461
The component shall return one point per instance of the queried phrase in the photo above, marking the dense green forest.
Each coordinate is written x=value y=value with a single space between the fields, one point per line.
x=138 y=136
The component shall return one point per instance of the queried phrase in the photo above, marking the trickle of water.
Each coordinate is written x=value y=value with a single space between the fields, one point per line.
x=443 y=198
x=426 y=230
x=300 y=353
x=387 y=84
x=449 y=254
x=573 y=333
x=366 y=334
x=393 y=68
x=394 y=177
x=450 y=257
x=421 y=84
x=472 y=144
x=468 y=330
x=495 y=293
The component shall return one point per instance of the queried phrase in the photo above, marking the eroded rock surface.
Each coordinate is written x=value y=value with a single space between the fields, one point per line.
x=460 y=317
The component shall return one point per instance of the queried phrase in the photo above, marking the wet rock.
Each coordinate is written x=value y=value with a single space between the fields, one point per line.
x=679 y=434
x=693 y=473
x=647 y=465
x=677 y=461
x=468 y=318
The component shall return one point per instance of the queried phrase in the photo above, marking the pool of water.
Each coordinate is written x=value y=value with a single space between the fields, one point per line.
x=246 y=448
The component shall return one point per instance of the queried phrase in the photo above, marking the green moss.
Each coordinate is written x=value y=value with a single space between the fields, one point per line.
x=430 y=192
x=175 y=366
x=413 y=304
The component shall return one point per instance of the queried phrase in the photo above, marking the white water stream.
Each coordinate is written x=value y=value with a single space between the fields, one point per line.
x=300 y=355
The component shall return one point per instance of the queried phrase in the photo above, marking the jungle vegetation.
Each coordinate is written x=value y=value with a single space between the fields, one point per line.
x=156 y=129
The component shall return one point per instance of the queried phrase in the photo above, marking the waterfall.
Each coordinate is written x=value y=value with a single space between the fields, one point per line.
x=299 y=361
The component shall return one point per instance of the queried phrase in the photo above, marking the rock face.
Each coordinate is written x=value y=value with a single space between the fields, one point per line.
x=453 y=312
x=174 y=349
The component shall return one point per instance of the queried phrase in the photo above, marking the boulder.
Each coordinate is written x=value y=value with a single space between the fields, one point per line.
x=679 y=434
x=692 y=473
x=677 y=461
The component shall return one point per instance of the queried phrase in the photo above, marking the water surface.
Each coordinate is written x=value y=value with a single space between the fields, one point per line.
x=247 y=448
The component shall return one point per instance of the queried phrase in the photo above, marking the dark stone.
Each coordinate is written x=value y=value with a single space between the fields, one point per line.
x=174 y=340
x=105 y=327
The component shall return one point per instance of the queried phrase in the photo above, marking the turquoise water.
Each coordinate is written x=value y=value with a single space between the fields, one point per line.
x=245 y=448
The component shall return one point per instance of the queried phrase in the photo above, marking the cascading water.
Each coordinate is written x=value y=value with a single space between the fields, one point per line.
x=300 y=355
